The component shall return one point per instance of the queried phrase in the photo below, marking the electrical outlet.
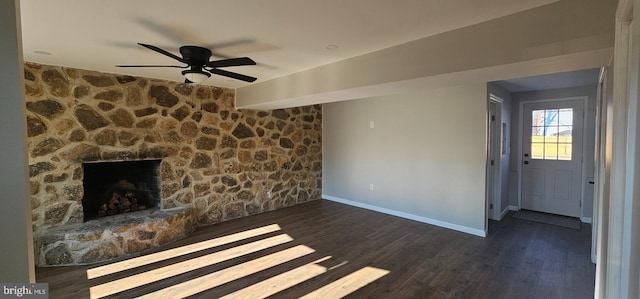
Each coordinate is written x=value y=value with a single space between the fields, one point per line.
x=371 y=187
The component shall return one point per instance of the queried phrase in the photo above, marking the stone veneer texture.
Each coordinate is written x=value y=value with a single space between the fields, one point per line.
x=217 y=160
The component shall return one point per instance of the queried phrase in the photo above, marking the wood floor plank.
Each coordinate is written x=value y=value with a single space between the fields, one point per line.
x=518 y=259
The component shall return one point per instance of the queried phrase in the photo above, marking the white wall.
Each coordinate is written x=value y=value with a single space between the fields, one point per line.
x=425 y=156
x=588 y=91
x=16 y=258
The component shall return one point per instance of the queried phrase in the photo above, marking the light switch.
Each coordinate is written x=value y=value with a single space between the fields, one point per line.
x=372 y=124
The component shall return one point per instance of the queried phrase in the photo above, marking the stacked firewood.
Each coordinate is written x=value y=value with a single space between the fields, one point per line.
x=120 y=203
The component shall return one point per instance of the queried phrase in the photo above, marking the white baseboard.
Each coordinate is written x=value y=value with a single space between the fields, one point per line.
x=585 y=219
x=456 y=227
x=504 y=213
x=513 y=208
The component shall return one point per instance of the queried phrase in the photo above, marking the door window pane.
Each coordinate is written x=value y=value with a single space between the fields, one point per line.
x=564 y=131
x=551 y=151
x=537 y=119
x=537 y=131
x=564 y=151
x=537 y=150
x=565 y=117
x=551 y=118
x=551 y=134
x=551 y=139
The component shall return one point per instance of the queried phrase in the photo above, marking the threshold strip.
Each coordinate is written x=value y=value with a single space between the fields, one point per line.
x=175 y=252
x=348 y=284
x=130 y=282
x=279 y=283
x=223 y=276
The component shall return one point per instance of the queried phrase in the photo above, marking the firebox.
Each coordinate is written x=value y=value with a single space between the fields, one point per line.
x=112 y=188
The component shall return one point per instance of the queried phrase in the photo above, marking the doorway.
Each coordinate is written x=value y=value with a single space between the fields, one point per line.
x=494 y=150
x=552 y=156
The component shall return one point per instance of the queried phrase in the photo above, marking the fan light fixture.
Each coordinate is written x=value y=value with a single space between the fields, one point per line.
x=196 y=76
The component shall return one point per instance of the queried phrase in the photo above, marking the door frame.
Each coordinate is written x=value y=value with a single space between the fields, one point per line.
x=494 y=144
x=583 y=177
x=618 y=268
x=601 y=167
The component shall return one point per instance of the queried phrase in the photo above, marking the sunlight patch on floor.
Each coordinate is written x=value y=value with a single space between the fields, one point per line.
x=280 y=282
x=154 y=275
x=348 y=284
x=262 y=289
x=172 y=253
x=218 y=278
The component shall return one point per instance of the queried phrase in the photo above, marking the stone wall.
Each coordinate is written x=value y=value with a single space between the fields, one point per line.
x=222 y=162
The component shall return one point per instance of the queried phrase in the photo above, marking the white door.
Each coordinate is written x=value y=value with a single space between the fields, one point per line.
x=552 y=157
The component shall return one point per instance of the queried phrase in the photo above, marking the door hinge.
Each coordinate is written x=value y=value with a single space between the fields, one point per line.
x=493 y=118
x=492 y=162
x=491 y=206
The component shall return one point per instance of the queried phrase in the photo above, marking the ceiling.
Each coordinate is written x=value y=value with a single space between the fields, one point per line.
x=283 y=36
x=552 y=81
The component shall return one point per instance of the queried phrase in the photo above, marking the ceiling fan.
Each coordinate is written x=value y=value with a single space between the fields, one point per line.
x=198 y=67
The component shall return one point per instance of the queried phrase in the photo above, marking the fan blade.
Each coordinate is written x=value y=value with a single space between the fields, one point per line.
x=175 y=66
x=232 y=75
x=178 y=58
x=231 y=62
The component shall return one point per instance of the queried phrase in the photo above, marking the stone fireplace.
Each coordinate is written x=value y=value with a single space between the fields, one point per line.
x=112 y=188
x=211 y=161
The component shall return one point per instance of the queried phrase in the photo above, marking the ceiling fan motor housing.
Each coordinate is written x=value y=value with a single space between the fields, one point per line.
x=195 y=56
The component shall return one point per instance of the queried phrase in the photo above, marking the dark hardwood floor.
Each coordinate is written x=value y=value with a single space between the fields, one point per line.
x=369 y=254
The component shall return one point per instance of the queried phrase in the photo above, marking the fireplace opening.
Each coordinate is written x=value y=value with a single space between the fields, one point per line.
x=112 y=188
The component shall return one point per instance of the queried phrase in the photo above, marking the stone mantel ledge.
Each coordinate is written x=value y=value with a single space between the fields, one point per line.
x=112 y=237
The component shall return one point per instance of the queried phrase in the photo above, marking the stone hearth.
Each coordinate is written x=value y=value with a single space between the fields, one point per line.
x=111 y=237
x=217 y=162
